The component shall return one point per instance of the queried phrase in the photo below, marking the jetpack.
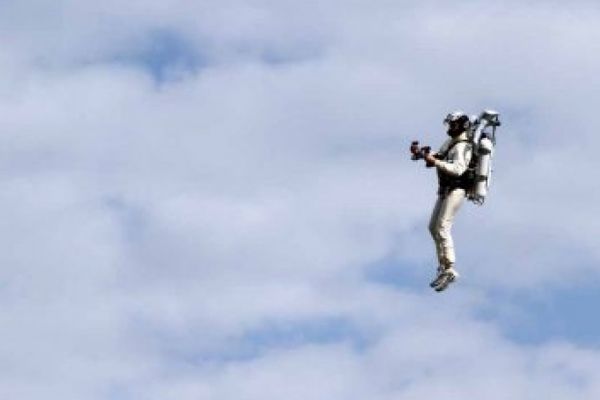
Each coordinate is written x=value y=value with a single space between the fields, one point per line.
x=482 y=135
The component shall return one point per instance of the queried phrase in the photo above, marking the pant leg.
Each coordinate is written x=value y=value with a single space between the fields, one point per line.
x=442 y=226
x=433 y=229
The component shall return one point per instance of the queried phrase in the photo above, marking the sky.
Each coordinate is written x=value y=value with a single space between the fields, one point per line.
x=214 y=200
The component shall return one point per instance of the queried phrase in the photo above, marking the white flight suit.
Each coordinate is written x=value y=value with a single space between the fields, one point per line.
x=454 y=164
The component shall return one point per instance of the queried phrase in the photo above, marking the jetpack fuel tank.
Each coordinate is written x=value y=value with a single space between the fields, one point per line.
x=483 y=137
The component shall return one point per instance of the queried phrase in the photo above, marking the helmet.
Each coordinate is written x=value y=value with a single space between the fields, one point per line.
x=458 y=119
x=457 y=122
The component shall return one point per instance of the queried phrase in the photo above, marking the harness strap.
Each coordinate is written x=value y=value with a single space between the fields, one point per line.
x=448 y=183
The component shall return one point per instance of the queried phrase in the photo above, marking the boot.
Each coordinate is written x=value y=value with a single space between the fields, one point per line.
x=448 y=276
x=438 y=278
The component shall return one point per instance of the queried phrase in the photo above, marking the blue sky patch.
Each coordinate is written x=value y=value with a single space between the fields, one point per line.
x=165 y=54
x=567 y=314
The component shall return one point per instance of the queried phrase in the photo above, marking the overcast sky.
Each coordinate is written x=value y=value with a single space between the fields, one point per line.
x=214 y=200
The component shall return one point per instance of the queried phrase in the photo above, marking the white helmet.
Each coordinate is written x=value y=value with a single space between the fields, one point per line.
x=458 y=117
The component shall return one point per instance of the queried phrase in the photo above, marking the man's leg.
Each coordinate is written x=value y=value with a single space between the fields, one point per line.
x=434 y=228
x=448 y=209
x=434 y=231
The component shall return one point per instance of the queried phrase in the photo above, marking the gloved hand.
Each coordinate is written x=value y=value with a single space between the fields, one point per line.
x=429 y=159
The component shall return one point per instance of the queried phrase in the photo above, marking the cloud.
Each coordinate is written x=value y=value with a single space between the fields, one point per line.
x=214 y=200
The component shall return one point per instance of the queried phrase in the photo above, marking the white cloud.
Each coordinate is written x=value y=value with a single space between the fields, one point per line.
x=153 y=226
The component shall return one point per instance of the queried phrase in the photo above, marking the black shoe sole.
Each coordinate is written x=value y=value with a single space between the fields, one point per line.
x=436 y=282
x=443 y=285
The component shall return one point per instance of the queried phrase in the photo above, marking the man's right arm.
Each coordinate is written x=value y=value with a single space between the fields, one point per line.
x=431 y=162
x=459 y=163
